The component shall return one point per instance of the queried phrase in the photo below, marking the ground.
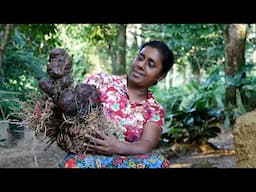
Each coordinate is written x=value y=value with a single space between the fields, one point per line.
x=223 y=156
x=28 y=152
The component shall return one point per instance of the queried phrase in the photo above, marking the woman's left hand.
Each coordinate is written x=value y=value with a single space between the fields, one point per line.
x=107 y=144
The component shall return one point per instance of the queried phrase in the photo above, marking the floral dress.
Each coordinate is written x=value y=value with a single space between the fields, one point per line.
x=131 y=117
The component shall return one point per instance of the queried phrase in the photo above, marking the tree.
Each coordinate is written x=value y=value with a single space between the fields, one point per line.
x=235 y=40
x=5 y=34
x=121 y=51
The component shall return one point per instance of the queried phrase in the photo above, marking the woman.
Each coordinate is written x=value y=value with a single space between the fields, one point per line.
x=127 y=100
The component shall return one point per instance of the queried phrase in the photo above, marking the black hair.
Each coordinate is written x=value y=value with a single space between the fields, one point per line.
x=165 y=51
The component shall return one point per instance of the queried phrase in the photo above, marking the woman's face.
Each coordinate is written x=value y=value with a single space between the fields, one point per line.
x=146 y=67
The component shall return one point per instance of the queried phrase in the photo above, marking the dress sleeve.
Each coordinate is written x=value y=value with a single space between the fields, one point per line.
x=158 y=117
x=155 y=113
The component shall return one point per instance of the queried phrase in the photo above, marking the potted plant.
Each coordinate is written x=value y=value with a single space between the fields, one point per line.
x=9 y=129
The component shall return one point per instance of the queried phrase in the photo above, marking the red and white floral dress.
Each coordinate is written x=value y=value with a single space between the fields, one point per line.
x=130 y=116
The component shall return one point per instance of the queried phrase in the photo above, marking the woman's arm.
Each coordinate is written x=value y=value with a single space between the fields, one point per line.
x=109 y=144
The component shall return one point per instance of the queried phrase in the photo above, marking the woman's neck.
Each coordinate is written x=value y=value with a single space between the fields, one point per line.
x=137 y=94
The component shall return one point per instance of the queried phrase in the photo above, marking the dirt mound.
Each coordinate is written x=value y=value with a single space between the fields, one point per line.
x=244 y=140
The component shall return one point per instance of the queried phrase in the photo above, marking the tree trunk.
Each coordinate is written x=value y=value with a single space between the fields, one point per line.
x=113 y=57
x=5 y=33
x=121 y=51
x=235 y=39
x=195 y=64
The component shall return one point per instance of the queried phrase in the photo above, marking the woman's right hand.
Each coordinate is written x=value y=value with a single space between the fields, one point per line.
x=106 y=144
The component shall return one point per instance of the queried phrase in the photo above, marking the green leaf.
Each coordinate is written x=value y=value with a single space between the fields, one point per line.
x=240 y=105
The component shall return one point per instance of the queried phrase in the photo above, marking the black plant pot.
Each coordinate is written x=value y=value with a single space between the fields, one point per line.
x=17 y=131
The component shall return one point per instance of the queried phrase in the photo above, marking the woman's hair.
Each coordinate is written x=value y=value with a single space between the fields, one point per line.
x=165 y=51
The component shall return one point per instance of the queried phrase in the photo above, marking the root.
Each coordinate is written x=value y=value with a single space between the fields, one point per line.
x=70 y=134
